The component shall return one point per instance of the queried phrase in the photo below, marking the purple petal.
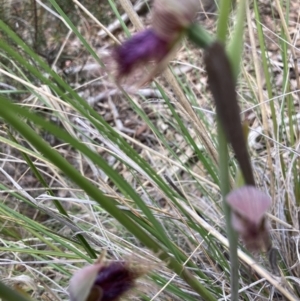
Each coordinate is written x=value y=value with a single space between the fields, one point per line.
x=143 y=47
x=250 y=203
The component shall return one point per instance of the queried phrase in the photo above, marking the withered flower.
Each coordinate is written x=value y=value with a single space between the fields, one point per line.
x=100 y=282
x=157 y=43
x=248 y=207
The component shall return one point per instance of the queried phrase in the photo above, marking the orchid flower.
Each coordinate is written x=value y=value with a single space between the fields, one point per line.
x=248 y=208
x=157 y=43
x=101 y=282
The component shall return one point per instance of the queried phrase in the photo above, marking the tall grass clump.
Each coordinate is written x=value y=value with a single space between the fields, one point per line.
x=149 y=158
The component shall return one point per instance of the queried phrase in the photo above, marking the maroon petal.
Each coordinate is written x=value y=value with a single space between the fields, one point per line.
x=255 y=237
x=142 y=48
x=114 y=280
x=101 y=282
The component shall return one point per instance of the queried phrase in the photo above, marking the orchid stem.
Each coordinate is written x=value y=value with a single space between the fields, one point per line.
x=232 y=235
x=218 y=80
x=200 y=36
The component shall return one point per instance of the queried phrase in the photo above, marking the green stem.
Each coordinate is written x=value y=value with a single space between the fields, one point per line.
x=218 y=74
x=231 y=234
x=236 y=44
x=224 y=12
x=7 y=294
x=222 y=85
x=199 y=36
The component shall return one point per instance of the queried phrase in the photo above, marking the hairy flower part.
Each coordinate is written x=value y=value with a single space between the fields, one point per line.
x=101 y=282
x=248 y=207
x=144 y=47
x=170 y=17
x=156 y=44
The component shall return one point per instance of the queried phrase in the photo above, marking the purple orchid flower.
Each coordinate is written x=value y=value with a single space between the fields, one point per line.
x=101 y=282
x=145 y=46
x=248 y=207
x=157 y=43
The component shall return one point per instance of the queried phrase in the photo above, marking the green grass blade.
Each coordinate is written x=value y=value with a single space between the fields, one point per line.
x=11 y=295
x=9 y=114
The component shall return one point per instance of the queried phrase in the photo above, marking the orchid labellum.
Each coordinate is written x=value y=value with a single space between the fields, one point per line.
x=248 y=207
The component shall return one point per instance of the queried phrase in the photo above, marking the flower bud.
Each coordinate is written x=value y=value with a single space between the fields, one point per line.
x=248 y=207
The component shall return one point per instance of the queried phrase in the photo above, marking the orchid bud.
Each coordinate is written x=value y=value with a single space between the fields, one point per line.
x=101 y=282
x=248 y=208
